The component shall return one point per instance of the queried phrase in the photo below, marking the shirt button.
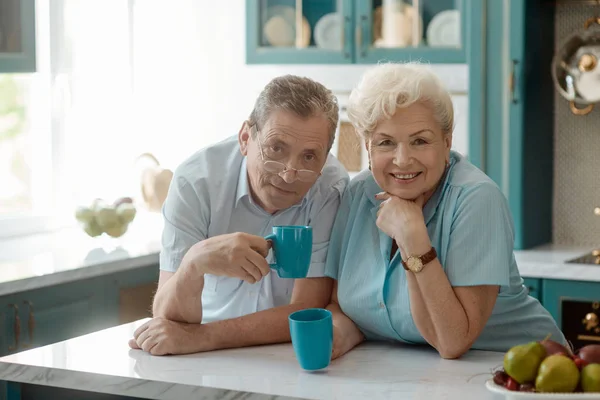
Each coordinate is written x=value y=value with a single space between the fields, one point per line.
x=381 y=305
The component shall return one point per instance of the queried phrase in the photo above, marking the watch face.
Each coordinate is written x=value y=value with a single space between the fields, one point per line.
x=414 y=264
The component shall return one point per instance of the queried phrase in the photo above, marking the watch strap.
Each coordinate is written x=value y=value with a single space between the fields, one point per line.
x=425 y=258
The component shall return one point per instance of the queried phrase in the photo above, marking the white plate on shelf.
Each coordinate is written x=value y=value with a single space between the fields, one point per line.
x=280 y=27
x=510 y=395
x=328 y=32
x=444 y=29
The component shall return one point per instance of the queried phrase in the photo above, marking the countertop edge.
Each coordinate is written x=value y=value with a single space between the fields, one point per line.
x=117 y=385
x=83 y=272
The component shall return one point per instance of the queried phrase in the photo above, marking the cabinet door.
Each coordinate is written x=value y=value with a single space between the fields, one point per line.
x=17 y=36
x=534 y=287
x=519 y=113
x=576 y=308
x=435 y=31
x=299 y=31
x=10 y=325
x=57 y=313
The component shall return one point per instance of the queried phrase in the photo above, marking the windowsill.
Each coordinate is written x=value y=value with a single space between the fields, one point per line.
x=68 y=254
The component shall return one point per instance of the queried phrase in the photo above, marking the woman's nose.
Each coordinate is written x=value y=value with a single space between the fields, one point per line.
x=402 y=154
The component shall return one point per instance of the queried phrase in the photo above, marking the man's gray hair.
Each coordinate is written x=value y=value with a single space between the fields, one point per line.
x=299 y=95
x=386 y=87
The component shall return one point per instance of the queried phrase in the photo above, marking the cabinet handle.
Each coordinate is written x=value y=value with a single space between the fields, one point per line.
x=30 y=324
x=512 y=82
x=346 y=24
x=17 y=327
x=359 y=36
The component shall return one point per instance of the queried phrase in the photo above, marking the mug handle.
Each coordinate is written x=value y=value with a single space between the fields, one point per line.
x=272 y=237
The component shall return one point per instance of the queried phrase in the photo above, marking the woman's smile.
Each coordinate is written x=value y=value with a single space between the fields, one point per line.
x=405 y=178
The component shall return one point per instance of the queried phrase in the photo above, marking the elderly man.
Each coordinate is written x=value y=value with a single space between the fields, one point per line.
x=215 y=288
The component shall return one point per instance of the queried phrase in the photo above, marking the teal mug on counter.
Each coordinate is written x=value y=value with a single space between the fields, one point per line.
x=311 y=331
x=292 y=249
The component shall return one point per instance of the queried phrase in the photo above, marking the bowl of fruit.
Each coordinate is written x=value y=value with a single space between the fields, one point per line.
x=548 y=370
x=101 y=217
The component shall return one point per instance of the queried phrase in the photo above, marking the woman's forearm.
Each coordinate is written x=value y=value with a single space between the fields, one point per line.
x=180 y=297
x=419 y=312
x=449 y=330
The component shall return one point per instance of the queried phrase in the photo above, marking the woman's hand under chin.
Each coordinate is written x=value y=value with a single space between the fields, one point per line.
x=403 y=221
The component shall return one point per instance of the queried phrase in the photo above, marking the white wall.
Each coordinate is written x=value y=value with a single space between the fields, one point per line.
x=193 y=86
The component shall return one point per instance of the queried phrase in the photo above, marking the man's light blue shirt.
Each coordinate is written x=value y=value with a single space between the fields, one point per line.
x=209 y=196
x=469 y=225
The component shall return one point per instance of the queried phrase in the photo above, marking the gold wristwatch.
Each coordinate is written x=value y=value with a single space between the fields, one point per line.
x=416 y=263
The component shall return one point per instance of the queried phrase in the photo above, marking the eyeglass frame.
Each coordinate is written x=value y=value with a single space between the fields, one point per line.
x=284 y=168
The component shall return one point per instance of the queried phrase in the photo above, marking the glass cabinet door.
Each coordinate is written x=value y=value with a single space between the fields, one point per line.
x=404 y=30
x=299 y=31
x=17 y=36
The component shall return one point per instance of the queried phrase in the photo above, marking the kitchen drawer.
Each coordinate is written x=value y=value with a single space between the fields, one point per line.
x=534 y=286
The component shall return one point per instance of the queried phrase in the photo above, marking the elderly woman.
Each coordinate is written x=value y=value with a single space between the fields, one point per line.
x=422 y=246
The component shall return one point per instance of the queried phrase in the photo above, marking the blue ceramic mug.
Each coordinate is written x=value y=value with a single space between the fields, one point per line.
x=312 y=337
x=292 y=248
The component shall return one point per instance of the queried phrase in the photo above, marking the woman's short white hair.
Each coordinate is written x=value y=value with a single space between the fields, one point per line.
x=386 y=87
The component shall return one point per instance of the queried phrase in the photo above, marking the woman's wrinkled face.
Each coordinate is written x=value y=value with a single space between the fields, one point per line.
x=298 y=143
x=409 y=152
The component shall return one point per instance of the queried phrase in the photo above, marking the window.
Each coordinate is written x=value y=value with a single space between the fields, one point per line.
x=115 y=79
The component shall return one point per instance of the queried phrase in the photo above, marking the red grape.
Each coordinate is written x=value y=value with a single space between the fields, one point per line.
x=500 y=377
x=511 y=384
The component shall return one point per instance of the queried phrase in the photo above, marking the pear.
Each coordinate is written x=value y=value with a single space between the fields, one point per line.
x=590 y=378
x=558 y=373
x=116 y=230
x=107 y=217
x=92 y=228
x=590 y=353
x=126 y=212
x=552 y=347
x=521 y=362
x=84 y=214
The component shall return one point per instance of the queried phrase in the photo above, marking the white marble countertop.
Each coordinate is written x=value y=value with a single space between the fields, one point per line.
x=66 y=255
x=549 y=262
x=102 y=362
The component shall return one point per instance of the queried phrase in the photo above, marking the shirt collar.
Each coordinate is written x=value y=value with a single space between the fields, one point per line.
x=243 y=187
x=242 y=184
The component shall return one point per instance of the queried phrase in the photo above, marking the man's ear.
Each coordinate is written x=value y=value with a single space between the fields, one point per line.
x=244 y=137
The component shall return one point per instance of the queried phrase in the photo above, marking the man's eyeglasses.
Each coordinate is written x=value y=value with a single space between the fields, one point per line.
x=276 y=167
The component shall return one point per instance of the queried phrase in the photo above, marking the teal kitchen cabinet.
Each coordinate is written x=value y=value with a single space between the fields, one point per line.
x=359 y=31
x=519 y=109
x=534 y=287
x=17 y=36
x=55 y=313
x=575 y=306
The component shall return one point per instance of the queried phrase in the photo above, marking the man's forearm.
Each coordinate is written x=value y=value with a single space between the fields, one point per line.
x=180 y=298
x=264 y=327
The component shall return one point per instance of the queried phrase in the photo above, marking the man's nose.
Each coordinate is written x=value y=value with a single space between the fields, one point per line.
x=289 y=175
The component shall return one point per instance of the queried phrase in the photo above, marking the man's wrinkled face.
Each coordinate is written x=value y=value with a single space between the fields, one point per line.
x=284 y=158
